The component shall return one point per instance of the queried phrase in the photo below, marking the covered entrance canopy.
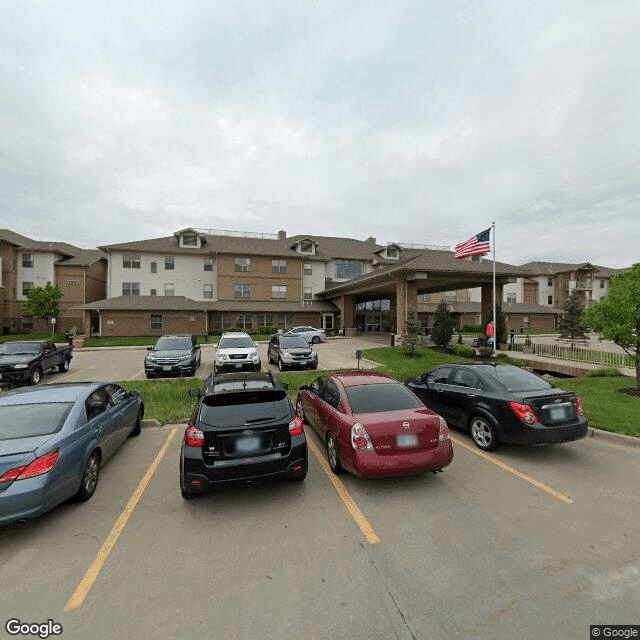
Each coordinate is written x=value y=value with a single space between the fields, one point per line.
x=381 y=299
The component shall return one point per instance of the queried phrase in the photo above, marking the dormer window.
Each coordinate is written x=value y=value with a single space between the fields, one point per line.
x=392 y=252
x=306 y=247
x=189 y=240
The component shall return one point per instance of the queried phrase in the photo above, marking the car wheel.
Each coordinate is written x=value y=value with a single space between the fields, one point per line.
x=90 y=476
x=483 y=433
x=137 y=429
x=315 y=339
x=280 y=365
x=300 y=410
x=35 y=376
x=333 y=455
x=63 y=367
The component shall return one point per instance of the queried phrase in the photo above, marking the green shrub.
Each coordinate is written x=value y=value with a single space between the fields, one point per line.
x=463 y=351
x=518 y=362
x=472 y=328
x=605 y=372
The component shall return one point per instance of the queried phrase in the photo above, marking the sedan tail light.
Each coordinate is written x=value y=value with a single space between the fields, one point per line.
x=443 y=433
x=360 y=439
x=296 y=426
x=524 y=412
x=193 y=437
x=578 y=406
x=38 y=467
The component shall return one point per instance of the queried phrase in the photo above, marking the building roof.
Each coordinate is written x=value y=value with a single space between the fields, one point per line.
x=553 y=268
x=475 y=307
x=37 y=245
x=83 y=258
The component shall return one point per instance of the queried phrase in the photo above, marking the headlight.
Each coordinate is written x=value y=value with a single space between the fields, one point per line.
x=287 y=356
x=222 y=356
x=150 y=360
x=21 y=366
x=253 y=353
x=184 y=359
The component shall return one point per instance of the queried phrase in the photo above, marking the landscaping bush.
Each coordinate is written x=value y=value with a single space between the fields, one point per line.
x=463 y=351
x=605 y=372
x=472 y=328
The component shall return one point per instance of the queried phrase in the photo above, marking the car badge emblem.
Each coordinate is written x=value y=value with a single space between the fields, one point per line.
x=406 y=425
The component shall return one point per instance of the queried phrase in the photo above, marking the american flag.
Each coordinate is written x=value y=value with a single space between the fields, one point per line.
x=478 y=245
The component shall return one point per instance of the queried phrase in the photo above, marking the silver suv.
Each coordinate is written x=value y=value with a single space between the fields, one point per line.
x=236 y=352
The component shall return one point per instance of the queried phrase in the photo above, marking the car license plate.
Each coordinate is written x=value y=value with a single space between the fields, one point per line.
x=238 y=365
x=166 y=367
x=407 y=440
x=247 y=445
x=558 y=413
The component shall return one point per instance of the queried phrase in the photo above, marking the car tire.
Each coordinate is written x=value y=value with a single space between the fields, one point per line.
x=137 y=429
x=300 y=411
x=315 y=339
x=35 y=375
x=483 y=433
x=333 y=454
x=63 y=367
x=280 y=365
x=90 y=477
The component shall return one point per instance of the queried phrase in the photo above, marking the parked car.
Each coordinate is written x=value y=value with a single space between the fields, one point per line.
x=501 y=403
x=27 y=360
x=236 y=352
x=291 y=351
x=173 y=355
x=372 y=425
x=55 y=438
x=308 y=333
x=244 y=427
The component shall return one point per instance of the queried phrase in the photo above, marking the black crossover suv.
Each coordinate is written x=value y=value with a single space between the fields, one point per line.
x=244 y=427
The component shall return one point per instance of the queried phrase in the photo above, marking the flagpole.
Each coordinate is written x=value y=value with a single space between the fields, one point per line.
x=495 y=320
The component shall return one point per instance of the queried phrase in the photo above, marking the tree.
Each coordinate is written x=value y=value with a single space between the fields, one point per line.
x=443 y=326
x=571 y=325
x=617 y=316
x=501 y=328
x=42 y=302
x=411 y=337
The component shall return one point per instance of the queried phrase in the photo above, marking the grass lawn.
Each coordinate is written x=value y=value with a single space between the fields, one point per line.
x=138 y=341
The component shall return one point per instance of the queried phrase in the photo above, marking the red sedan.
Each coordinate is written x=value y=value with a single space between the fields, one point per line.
x=374 y=426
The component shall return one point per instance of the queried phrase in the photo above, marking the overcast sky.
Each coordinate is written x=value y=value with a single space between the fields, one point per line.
x=416 y=121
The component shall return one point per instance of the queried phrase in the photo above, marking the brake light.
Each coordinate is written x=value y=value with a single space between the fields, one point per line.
x=360 y=438
x=524 y=412
x=193 y=437
x=578 y=406
x=296 y=426
x=38 y=467
x=443 y=433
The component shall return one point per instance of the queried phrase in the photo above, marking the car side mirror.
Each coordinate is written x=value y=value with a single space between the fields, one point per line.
x=304 y=387
x=149 y=348
x=195 y=393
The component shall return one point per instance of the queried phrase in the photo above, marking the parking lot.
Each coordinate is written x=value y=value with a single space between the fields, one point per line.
x=531 y=543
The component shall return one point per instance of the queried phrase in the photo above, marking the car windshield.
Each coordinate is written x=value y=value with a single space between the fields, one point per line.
x=380 y=397
x=28 y=420
x=294 y=342
x=173 y=344
x=241 y=342
x=516 y=379
x=14 y=348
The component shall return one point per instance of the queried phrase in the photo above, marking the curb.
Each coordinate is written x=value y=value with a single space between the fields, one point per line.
x=616 y=438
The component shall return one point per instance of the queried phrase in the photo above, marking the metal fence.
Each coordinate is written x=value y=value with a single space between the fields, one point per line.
x=577 y=353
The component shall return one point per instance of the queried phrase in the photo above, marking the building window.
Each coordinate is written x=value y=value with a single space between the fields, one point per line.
x=208 y=292
x=278 y=266
x=279 y=291
x=242 y=264
x=392 y=252
x=169 y=263
x=424 y=297
x=328 y=322
x=156 y=322
x=602 y=284
x=550 y=282
x=306 y=247
x=511 y=297
x=284 y=321
x=221 y=322
x=130 y=288
x=26 y=287
x=244 y=321
x=307 y=293
x=130 y=261
x=307 y=269
x=265 y=321
x=208 y=264
x=349 y=268
x=549 y=299
x=154 y=267
x=192 y=317
x=242 y=291
x=154 y=292
x=189 y=240
x=27 y=322
x=27 y=260
x=168 y=289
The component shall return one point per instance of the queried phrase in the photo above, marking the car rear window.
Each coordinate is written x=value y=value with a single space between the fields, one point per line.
x=375 y=398
x=516 y=379
x=170 y=344
x=245 y=408
x=235 y=343
x=28 y=420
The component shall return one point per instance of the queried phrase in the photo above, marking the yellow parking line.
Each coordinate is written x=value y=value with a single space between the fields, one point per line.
x=552 y=492
x=354 y=510
x=91 y=575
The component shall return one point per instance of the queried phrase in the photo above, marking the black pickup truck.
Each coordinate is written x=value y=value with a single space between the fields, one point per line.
x=27 y=360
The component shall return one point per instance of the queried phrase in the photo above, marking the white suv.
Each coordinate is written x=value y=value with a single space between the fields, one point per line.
x=236 y=352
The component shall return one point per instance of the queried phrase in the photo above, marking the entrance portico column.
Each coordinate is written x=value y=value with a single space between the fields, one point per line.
x=406 y=297
x=486 y=302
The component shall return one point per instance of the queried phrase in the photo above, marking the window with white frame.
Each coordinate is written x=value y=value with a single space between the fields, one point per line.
x=154 y=267
x=221 y=322
x=511 y=297
x=549 y=299
x=130 y=261
x=242 y=291
x=27 y=322
x=189 y=240
x=27 y=260
x=208 y=291
x=349 y=268
x=549 y=282
x=279 y=291
x=242 y=264
x=130 y=288
x=208 y=264
x=306 y=247
x=155 y=323
x=278 y=266
x=244 y=321
x=169 y=289
x=169 y=263
x=307 y=293
x=26 y=287
x=307 y=269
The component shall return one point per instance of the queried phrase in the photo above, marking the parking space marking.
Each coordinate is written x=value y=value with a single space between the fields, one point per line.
x=75 y=373
x=354 y=510
x=105 y=550
x=135 y=375
x=523 y=476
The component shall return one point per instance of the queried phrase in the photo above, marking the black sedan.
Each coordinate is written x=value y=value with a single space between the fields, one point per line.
x=501 y=403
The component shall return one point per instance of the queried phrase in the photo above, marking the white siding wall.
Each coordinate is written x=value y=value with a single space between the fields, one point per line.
x=43 y=270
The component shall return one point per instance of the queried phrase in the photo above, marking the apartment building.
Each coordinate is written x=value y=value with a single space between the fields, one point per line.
x=25 y=263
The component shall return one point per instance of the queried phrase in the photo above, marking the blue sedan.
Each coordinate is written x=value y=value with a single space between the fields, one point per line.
x=54 y=439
